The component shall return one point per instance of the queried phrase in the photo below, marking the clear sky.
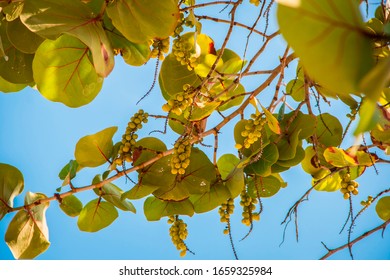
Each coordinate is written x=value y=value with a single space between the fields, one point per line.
x=38 y=137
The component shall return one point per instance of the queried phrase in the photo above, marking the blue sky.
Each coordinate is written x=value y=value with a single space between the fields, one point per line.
x=38 y=137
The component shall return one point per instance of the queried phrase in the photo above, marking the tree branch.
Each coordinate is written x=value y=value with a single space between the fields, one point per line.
x=353 y=242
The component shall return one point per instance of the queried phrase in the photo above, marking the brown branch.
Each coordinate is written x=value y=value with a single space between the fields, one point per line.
x=206 y=5
x=353 y=242
x=235 y=23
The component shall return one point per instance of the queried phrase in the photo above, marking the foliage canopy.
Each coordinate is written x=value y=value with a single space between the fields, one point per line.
x=65 y=50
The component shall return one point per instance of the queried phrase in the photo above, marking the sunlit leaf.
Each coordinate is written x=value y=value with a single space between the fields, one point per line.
x=232 y=97
x=331 y=42
x=330 y=183
x=155 y=208
x=94 y=150
x=231 y=174
x=64 y=72
x=13 y=10
x=11 y=185
x=299 y=156
x=139 y=191
x=296 y=89
x=71 y=205
x=28 y=235
x=272 y=122
x=383 y=208
x=142 y=20
x=51 y=18
x=96 y=215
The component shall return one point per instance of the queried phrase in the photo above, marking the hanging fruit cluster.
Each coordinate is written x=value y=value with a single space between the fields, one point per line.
x=181 y=156
x=252 y=131
x=348 y=186
x=181 y=101
x=130 y=137
x=159 y=48
x=178 y=232
x=225 y=211
x=248 y=206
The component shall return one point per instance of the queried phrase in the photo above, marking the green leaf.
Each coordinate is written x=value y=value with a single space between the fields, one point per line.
x=11 y=185
x=232 y=175
x=264 y=186
x=232 y=62
x=196 y=180
x=329 y=130
x=310 y=163
x=369 y=116
x=51 y=18
x=71 y=206
x=18 y=34
x=296 y=88
x=155 y=208
x=64 y=72
x=297 y=159
x=142 y=20
x=208 y=201
x=96 y=215
x=262 y=167
x=7 y=87
x=132 y=53
x=287 y=146
x=331 y=42
x=27 y=235
x=15 y=66
x=226 y=164
x=113 y=194
x=148 y=147
x=173 y=76
x=383 y=208
x=139 y=191
x=231 y=98
x=68 y=172
x=94 y=150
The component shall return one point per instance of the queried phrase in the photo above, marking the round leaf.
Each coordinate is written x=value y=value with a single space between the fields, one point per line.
x=94 y=150
x=64 y=72
x=96 y=215
x=18 y=34
x=155 y=208
x=383 y=208
x=27 y=235
x=142 y=20
x=329 y=130
x=71 y=206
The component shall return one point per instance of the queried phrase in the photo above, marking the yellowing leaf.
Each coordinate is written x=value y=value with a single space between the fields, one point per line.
x=64 y=72
x=272 y=122
x=11 y=185
x=27 y=235
x=94 y=150
x=96 y=215
x=383 y=208
x=51 y=18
